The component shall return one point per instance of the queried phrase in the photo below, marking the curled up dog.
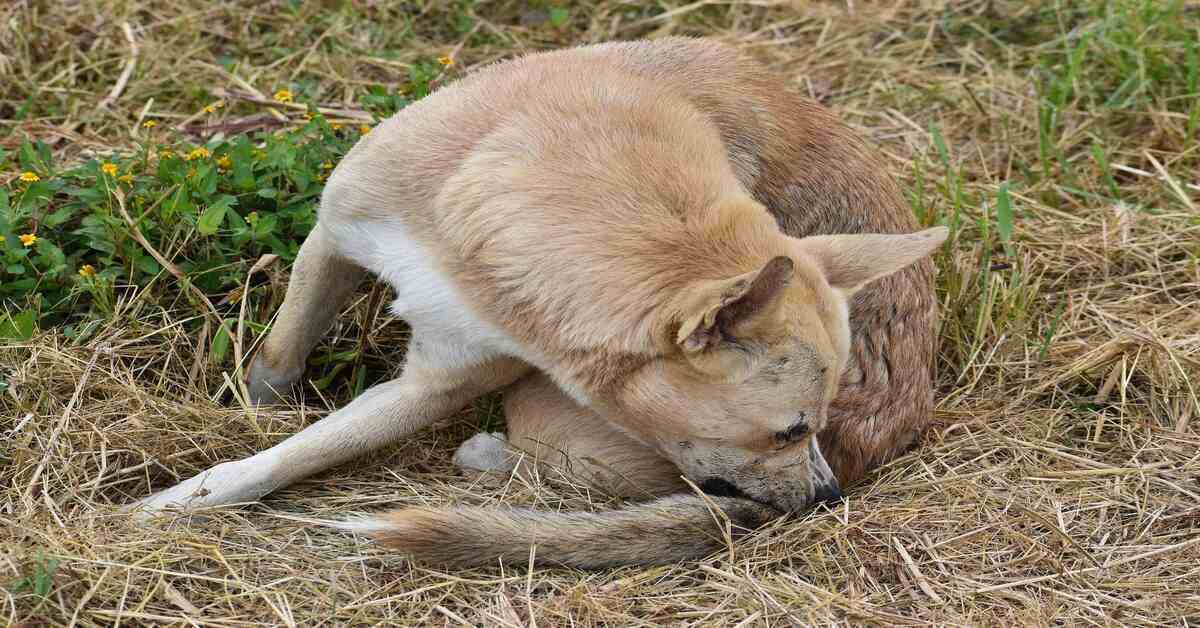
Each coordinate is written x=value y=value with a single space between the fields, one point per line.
x=673 y=266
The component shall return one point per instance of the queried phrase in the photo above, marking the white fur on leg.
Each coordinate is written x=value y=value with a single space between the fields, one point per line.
x=485 y=452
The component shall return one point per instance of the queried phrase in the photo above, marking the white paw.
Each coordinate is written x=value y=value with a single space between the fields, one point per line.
x=485 y=452
x=234 y=482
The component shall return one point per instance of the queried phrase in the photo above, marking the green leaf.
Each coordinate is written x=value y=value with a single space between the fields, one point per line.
x=179 y=203
x=265 y=225
x=17 y=287
x=214 y=214
x=43 y=151
x=300 y=179
x=28 y=157
x=220 y=344
x=91 y=195
x=559 y=16
x=59 y=217
x=19 y=327
x=148 y=265
x=52 y=257
x=268 y=192
x=242 y=157
x=206 y=176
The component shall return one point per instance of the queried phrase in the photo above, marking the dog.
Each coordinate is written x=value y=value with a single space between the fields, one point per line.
x=674 y=266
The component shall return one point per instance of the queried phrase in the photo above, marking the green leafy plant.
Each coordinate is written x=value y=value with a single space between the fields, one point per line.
x=210 y=208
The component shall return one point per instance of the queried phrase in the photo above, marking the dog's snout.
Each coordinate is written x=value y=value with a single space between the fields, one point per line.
x=826 y=488
x=828 y=493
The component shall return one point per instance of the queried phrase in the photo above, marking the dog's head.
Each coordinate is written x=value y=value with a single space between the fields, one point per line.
x=752 y=362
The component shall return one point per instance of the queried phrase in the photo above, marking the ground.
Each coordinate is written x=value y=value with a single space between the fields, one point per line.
x=1057 y=139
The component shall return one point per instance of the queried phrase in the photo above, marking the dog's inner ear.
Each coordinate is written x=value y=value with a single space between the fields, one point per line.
x=714 y=310
x=852 y=261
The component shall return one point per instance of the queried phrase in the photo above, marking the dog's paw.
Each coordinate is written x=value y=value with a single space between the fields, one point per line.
x=486 y=453
x=267 y=384
x=228 y=483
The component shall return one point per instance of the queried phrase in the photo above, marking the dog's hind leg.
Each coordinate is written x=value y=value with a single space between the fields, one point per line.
x=554 y=435
x=426 y=391
x=321 y=282
x=551 y=434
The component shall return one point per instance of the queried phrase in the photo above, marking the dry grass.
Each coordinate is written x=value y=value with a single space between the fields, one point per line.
x=1059 y=485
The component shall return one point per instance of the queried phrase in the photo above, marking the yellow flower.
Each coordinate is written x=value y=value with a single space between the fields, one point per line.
x=283 y=95
x=336 y=126
x=235 y=295
x=327 y=165
x=28 y=239
x=30 y=177
x=199 y=153
x=165 y=154
x=308 y=115
x=446 y=61
x=87 y=270
x=109 y=169
x=364 y=129
x=224 y=162
x=126 y=178
x=149 y=124
x=210 y=109
x=252 y=218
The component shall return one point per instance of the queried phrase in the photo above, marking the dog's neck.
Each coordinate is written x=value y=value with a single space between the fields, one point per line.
x=731 y=237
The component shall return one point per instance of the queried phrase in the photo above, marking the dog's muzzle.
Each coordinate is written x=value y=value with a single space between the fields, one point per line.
x=756 y=481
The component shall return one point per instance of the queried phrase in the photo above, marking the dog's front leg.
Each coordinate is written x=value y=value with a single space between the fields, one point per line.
x=425 y=392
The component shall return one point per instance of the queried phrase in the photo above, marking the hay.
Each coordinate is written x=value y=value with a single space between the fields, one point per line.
x=1058 y=486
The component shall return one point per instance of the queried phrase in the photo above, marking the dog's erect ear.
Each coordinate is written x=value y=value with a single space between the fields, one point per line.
x=710 y=310
x=852 y=261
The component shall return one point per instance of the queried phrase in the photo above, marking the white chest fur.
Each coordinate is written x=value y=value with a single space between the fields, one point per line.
x=425 y=297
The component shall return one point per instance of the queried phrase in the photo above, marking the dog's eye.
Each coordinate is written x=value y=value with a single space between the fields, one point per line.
x=777 y=366
x=795 y=432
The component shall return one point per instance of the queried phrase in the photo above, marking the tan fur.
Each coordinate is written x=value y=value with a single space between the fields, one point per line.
x=656 y=532
x=631 y=219
x=549 y=430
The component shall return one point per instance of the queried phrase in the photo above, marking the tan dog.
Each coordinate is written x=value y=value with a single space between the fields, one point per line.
x=676 y=260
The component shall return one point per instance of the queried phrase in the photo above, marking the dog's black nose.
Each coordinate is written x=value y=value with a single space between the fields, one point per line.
x=827 y=494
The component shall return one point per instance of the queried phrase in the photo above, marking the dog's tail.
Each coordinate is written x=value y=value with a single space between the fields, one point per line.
x=665 y=530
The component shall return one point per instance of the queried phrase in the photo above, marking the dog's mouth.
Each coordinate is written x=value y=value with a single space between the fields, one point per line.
x=717 y=487
x=720 y=488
